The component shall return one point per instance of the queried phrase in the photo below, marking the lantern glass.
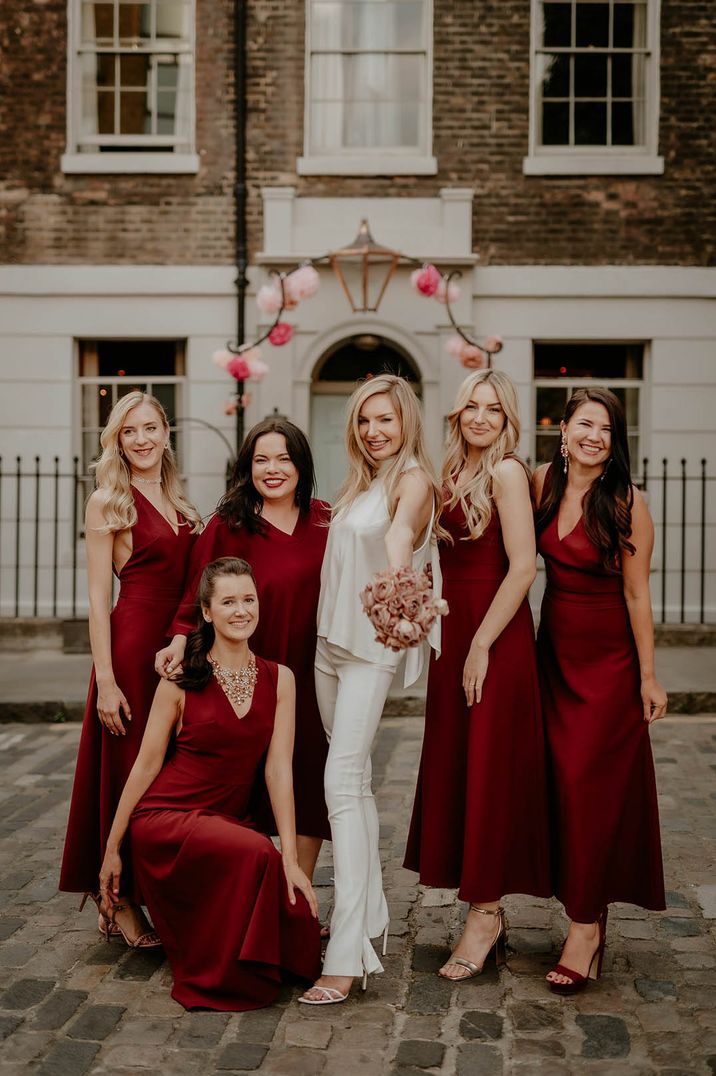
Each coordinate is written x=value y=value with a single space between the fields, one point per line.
x=364 y=270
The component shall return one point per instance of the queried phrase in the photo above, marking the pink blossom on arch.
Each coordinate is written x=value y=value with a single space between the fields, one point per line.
x=280 y=334
x=473 y=358
x=493 y=344
x=257 y=366
x=238 y=368
x=454 y=345
x=231 y=406
x=426 y=280
x=447 y=292
x=302 y=283
x=222 y=358
x=268 y=299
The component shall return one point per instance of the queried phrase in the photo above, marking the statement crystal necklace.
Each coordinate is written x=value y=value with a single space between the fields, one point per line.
x=147 y=481
x=237 y=684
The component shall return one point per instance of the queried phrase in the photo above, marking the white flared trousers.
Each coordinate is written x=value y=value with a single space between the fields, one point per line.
x=351 y=694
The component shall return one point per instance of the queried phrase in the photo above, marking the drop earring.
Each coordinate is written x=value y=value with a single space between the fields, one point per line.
x=565 y=451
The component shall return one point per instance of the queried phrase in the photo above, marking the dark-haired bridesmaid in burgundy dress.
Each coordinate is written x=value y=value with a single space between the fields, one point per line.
x=599 y=687
x=139 y=525
x=269 y=518
x=232 y=911
x=480 y=816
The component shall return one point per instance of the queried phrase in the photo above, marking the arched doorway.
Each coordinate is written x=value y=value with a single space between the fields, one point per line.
x=334 y=378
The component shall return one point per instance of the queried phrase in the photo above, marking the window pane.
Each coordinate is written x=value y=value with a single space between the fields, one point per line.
x=555 y=124
x=172 y=20
x=133 y=113
x=590 y=124
x=556 y=24
x=364 y=25
x=601 y=361
x=592 y=27
x=551 y=403
x=555 y=77
x=623 y=122
x=622 y=75
x=367 y=77
x=98 y=24
x=132 y=358
x=590 y=76
x=134 y=71
x=134 y=23
x=629 y=26
x=545 y=445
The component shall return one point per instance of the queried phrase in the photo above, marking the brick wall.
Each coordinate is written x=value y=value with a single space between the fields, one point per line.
x=481 y=85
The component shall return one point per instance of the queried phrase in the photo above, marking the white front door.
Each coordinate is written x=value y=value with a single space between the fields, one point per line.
x=328 y=428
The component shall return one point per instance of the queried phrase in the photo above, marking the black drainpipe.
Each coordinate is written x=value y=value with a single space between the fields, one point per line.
x=240 y=248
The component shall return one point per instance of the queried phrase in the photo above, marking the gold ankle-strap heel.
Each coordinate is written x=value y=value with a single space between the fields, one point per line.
x=499 y=946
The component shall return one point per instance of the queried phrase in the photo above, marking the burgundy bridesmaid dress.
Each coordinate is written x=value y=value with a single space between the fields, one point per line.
x=480 y=814
x=605 y=813
x=288 y=576
x=151 y=583
x=214 y=886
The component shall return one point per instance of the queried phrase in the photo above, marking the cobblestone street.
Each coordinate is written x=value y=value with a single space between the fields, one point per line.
x=71 y=1004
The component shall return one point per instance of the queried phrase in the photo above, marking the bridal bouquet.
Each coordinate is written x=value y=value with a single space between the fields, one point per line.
x=401 y=606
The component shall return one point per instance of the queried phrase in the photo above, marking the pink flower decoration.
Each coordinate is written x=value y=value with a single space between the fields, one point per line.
x=246 y=399
x=231 y=407
x=426 y=280
x=493 y=344
x=447 y=292
x=258 y=368
x=222 y=358
x=238 y=368
x=472 y=358
x=268 y=299
x=454 y=346
x=280 y=334
x=301 y=284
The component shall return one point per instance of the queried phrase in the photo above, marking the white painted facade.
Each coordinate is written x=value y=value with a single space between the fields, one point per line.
x=45 y=310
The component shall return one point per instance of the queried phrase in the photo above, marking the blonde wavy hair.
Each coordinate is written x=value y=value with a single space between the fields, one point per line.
x=476 y=496
x=113 y=476
x=362 y=468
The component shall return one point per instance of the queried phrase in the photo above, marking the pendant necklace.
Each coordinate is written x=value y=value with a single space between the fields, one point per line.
x=237 y=684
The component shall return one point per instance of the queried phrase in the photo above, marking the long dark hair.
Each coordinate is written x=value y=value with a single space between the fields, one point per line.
x=608 y=501
x=242 y=503
x=196 y=670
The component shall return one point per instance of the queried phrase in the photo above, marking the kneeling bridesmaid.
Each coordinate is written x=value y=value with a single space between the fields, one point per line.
x=480 y=815
x=233 y=913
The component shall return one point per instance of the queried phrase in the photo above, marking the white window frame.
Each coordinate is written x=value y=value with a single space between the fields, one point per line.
x=140 y=161
x=599 y=160
x=370 y=162
x=572 y=383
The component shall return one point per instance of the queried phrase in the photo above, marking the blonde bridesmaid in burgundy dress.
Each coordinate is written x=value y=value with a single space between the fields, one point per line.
x=269 y=518
x=141 y=527
x=234 y=914
x=480 y=815
x=599 y=687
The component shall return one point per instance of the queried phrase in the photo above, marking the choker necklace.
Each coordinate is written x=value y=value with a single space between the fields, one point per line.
x=147 y=481
x=237 y=684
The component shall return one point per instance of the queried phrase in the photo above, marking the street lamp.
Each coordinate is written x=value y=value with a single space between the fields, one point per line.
x=364 y=270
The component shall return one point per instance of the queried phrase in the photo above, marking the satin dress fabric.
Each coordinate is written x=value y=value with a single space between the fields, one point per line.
x=287 y=568
x=480 y=817
x=214 y=886
x=151 y=583
x=605 y=816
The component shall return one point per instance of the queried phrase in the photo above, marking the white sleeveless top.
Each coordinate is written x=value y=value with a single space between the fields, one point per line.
x=354 y=553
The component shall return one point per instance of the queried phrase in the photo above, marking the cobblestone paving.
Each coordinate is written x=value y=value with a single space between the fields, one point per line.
x=70 y=1004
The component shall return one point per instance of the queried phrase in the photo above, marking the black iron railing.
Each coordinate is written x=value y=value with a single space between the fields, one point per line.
x=42 y=557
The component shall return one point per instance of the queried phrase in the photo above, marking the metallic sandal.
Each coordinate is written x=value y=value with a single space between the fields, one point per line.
x=498 y=945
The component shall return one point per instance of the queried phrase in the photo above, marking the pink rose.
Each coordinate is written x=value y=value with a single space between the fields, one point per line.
x=472 y=358
x=426 y=280
x=493 y=344
x=447 y=292
x=407 y=633
x=231 y=407
x=238 y=368
x=280 y=334
x=269 y=299
x=222 y=358
x=383 y=588
x=302 y=283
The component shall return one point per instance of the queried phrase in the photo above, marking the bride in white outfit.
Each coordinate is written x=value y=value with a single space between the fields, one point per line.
x=384 y=517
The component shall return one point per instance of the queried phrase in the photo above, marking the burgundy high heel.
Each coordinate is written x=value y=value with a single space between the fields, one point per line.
x=579 y=982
